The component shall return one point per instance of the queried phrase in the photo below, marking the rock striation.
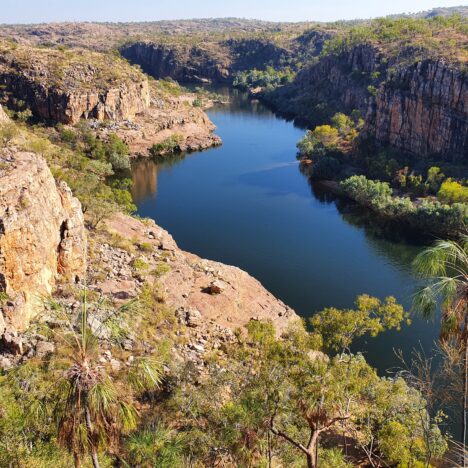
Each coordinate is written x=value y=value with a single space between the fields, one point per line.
x=423 y=109
x=42 y=236
x=419 y=108
x=65 y=86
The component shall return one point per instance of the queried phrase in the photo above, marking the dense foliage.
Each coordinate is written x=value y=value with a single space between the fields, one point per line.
x=429 y=215
x=268 y=78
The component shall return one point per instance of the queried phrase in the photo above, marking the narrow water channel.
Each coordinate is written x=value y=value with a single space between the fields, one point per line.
x=247 y=204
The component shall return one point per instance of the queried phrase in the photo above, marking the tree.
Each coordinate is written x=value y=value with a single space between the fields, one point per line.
x=452 y=192
x=8 y=132
x=274 y=401
x=90 y=409
x=338 y=328
x=445 y=268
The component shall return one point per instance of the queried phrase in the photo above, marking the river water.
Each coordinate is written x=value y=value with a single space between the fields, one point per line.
x=247 y=204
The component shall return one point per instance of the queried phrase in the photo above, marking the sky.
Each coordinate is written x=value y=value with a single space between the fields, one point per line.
x=37 y=11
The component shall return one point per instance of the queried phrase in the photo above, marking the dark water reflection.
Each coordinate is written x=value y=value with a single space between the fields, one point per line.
x=246 y=203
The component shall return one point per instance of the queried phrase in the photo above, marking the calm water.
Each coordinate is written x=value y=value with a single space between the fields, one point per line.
x=247 y=204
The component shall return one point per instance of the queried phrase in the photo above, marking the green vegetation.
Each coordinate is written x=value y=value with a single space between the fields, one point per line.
x=299 y=395
x=429 y=216
x=331 y=140
x=268 y=78
x=434 y=37
x=444 y=267
x=171 y=145
x=452 y=192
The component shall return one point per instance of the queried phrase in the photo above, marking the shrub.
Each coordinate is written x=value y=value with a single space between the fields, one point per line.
x=120 y=162
x=170 y=145
x=452 y=192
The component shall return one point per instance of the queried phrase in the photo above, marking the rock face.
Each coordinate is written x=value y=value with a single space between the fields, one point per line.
x=203 y=292
x=334 y=83
x=68 y=86
x=420 y=109
x=42 y=236
x=68 y=107
x=3 y=116
x=423 y=109
x=210 y=62
x=180 y=63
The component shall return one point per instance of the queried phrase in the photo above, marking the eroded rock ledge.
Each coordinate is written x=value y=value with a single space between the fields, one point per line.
x=42 y=236
x=221 y=294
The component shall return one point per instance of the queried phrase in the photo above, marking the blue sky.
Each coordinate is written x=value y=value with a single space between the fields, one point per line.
x=35 y=11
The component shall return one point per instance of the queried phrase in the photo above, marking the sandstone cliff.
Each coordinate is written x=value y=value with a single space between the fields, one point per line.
x=420 y=108
x=333 y=84
x=423 y=109
x=42 y=236
x=66 y=86
x=209 y=61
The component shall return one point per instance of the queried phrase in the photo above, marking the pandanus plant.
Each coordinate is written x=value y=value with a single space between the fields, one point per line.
x=444 y=267
x=92 y=410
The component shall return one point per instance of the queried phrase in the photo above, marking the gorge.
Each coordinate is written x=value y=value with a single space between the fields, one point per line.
x=211 y=233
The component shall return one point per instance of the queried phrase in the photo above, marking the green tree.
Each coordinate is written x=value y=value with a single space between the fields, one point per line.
x=338 y=328
x=445 y=268
x=452 y=192
x=90 y=409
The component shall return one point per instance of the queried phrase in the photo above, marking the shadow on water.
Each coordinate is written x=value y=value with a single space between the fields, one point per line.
x=247 y=204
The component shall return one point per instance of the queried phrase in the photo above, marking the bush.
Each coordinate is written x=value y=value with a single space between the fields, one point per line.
x=429 y=216
x=120 y=162
x=452 y=192
x=170 y=145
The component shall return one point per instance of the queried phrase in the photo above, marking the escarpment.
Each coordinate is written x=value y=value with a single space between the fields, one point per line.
x=42 y=236
x=423 y=109
x=182 y=63
x=335 y=83
x=209 y=62
x=66 y=86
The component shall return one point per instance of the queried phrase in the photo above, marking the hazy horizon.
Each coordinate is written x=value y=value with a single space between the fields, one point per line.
x=107 y=11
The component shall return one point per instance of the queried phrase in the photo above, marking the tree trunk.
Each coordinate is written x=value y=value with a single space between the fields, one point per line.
x=94 y=457
x=465 y=394
x=311 y=460
x=77 y=460
x=89 y=426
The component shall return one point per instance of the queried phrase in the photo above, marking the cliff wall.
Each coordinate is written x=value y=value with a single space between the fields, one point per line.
x=42 y=236
x=423 y=109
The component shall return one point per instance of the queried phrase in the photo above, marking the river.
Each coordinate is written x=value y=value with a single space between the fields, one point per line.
x=247 y=204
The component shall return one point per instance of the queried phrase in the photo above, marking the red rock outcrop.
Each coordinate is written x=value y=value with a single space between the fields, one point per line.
x=42 y=236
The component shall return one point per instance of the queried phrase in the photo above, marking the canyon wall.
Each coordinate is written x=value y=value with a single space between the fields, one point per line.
x=423 y=109
x=420 y=108
x=69 y=106
x=332 y=84
x=42 y=236
x=211 y=62
x=182 y=63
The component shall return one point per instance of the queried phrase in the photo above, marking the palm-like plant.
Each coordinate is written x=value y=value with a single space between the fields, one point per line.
x=90 y=409
x=445 y=268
